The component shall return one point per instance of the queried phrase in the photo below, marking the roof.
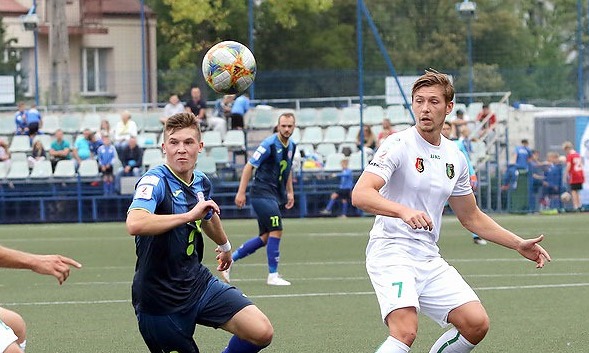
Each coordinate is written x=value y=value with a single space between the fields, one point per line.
x=122 y=7
x=12 y=6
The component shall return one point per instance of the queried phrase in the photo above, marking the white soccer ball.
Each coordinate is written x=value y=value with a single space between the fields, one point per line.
x=229 y=67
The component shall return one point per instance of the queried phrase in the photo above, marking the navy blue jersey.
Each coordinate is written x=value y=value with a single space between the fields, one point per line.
x=346 y=179
x=273 y=162
x=169 y=275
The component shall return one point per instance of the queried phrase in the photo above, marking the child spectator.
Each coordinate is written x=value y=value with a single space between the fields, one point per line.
x=106 y=157
x=20 y=120
x=343 y=192
x=552 y=184
x=34 y=121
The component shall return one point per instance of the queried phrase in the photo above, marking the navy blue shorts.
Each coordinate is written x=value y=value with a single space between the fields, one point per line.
x=268 y=213
x=168 y=333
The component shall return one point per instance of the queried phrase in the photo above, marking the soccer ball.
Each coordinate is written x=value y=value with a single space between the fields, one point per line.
x=229 y=67
x=565 y=197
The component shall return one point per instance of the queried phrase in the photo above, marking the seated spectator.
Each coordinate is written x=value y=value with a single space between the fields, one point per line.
x=174 y=106
x=126 y=128
x=37 y=154
x=240 y=106
x=106 y=158
x=221 y=114
x=34 y=121
x=387 y=130
x=488 y=118
x=95 y=142
x=461 y=120
x=20 y=120
x=131 y=158
x=60 y=149
x=369 y=140
x=105 y=129
x=82 y=149
x=197 y=106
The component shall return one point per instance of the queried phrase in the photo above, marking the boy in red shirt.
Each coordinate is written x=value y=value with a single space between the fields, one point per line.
x=574 y=173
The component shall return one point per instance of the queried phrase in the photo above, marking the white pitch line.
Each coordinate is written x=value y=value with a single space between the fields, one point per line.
x=298 y=295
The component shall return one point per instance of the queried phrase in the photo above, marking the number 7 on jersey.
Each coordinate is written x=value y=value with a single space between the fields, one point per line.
x=400 y=284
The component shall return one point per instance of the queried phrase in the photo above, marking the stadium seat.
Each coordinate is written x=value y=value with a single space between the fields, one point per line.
x=234 y=140
x=41 y=170
x=296 y=135
x=333 y=162
x=7 y=126
x=351 y=146
x=70 y=123
x=328 y=116
x=20 y=143
x=373 y=115
x=147 y=140
x=18 y=170
x=207 y=165
x=150 y=121
x=65 y=169
x=4 y=167
x=356 y=160
x=114 y=118
x=501 y=110
x=312 y=135
x=397 y=114
x=473 y=109
x=306 y=117
x=352 y=133
x=306 y=148
x=89 y=169
x=261 y=118
x=220 y=154
x=91 y=121
x=334 y=134
x=50 y=124
x=152 y=157
x=325 y=149
x=18 y=156
x=46 y=140
x=212 y=139
x=350 y=116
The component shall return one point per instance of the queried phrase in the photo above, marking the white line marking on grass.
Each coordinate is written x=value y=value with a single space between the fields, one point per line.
x=296 y=295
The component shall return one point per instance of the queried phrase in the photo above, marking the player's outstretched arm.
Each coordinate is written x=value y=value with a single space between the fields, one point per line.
x=213 y=228
x=54 y=265
x=246 y=175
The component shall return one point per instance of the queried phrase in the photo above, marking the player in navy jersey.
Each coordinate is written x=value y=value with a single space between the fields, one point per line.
x=272 y=188
x=172 y=291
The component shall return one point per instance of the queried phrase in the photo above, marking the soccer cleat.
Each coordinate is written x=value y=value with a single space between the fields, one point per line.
x=325 y=212
x=479 y=241
x=225 y=275
x=274 y=279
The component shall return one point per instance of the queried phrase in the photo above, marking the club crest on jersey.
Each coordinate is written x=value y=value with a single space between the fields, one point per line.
x=419 y=164
x=450 y=170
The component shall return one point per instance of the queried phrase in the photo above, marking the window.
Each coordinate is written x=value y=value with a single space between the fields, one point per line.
x=94 y=70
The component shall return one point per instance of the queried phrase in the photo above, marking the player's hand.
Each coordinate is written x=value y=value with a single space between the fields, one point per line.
x=240 y=200
x=289 y=200
x=54 y=265
x=531 y=250
x=224 y=259
x=417 y=219
x=202 y=208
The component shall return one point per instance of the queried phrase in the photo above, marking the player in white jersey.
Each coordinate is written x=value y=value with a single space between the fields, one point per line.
x=413 y=174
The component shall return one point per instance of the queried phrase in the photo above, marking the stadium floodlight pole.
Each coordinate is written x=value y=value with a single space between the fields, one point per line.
x=143 y=54
x=467 y=11
x=580 y=55
x=30 y=22
x=250 y=15
x=360 y=45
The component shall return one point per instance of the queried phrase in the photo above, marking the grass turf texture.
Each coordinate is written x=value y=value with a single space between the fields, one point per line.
x=329 y=308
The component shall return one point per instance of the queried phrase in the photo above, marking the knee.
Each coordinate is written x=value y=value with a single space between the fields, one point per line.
x=407 y=336
x=476 y=328
x=263 y=336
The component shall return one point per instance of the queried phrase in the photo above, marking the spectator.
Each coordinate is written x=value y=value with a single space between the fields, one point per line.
x=34 y=121
x=174 y=106
x=126 y=128
x=487 y=118
x=369 y=140
x=522 y=154
x=37 y=154
x=60 y=149
x=104 y=129
x=387 y=130
x=574 y=173
x=221 y=114
x=240 y=106
x=20 y=120
x=132 y=158
x=535 y=179
x=106 y=158
x=82 y=149
x=458 y=122
x=4 y=152
x=552 y=184
x=95 y=142
x=343 y=192
x=197 y=106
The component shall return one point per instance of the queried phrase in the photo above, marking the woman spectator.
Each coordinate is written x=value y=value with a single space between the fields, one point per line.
x=369 y=140
x=4 y=152
x=37 y=154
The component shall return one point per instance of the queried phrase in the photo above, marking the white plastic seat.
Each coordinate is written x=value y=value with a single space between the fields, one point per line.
x=50 y=124
x=313 y=135
x=397 y=114
x=333 y=162
x=150 y=121
x=296 y=135
x=356 y=160
x=373 y=115
x=7 y=126
x=261 y=118
x=20 y=143
x=220 y=154
x=70 y=123
x=306 y=117
x=89 y=168
x=65 y=169
x=46 y=140
x=212 y=139
x=91 y=121
x=18 y=156
x=328 y=116
x=325 y=149
x=207 y=165
x=350 y=116
x=147 y=140
x=152 y=157
x=334 y=134
x=18 y=170
x=307 y=148
x=41 y=170
x=234 y=140
x=352 y=133
x=4 y=167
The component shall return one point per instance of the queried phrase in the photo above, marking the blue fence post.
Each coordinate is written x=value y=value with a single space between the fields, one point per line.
x=302 y=195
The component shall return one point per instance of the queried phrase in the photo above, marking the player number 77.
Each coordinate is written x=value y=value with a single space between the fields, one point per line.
x=400 y=284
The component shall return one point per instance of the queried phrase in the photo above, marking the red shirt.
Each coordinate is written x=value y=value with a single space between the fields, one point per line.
x=575 y=167
x=492 y=119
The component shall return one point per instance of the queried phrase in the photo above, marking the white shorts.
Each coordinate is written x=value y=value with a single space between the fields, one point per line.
x=7 y=336
x=432 y=286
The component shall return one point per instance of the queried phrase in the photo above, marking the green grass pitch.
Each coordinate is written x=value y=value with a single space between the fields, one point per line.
x=329 y=308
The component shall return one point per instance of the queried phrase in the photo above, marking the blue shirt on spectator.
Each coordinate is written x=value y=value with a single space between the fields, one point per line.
x=82 y=145
x=106 y=155
x=346 y=181
x=241 y=105
x=522 y=153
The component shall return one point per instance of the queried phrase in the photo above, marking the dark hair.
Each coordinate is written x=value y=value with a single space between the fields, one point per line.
x=432 y=78
x=446 y=122
x=459 y=112
x=181 y=121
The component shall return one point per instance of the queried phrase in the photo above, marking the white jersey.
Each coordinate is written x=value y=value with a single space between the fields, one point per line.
x=421 y=176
